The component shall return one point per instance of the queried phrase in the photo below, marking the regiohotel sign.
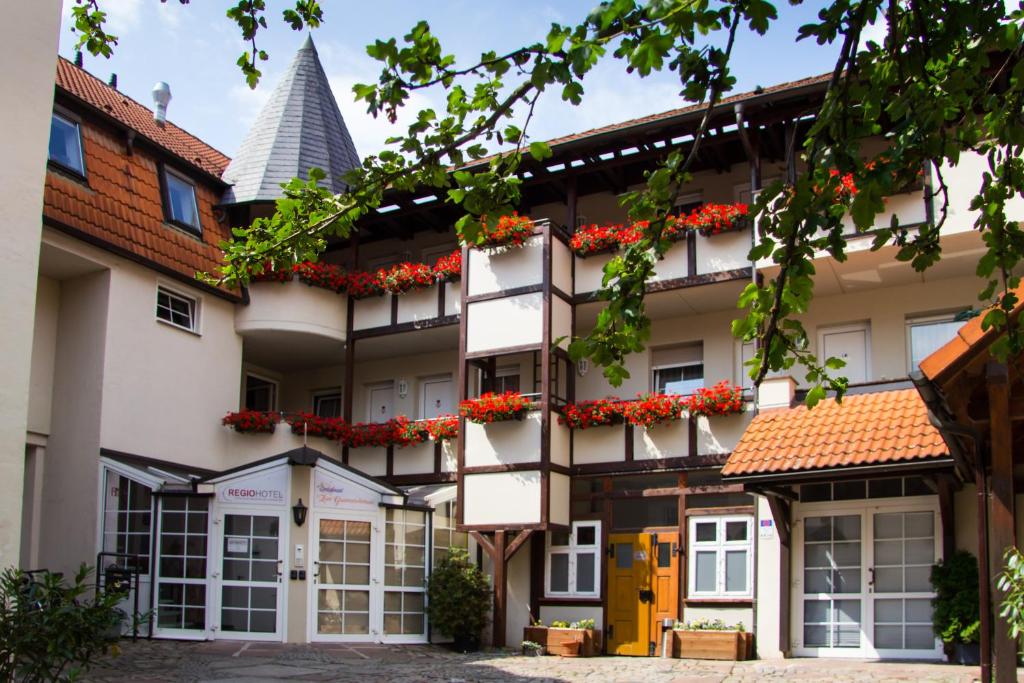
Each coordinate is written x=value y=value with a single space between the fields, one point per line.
x=263 y=488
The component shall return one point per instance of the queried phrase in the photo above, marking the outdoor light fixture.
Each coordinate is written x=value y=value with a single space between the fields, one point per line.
x=299 y=513
x=403 y=388
x=582 y=366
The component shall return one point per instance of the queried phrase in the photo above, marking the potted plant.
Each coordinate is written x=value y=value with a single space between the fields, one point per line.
x=711 y=639
x=459 y=596
x=955 y=616
x=532 y=649
x=573 y=639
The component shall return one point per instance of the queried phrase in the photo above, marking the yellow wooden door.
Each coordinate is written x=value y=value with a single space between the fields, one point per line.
x=629 y=592
x=664 y=582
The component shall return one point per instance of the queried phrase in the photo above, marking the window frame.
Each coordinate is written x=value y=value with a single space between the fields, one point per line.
x=655 y=369
x=720 y=547
x=195 y=306
x=75 y=121
x=165 y=192
x=573 y=550
x=509 y=371
x=742 y=377
x=273 y=382
x=321 y=394
x=924 y=320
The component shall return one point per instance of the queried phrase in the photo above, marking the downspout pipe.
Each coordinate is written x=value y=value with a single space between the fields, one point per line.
x=953 y=432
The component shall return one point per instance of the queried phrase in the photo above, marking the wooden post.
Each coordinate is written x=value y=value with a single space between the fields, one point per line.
x=500 y=589
x=1001 y=521
x=984 y=594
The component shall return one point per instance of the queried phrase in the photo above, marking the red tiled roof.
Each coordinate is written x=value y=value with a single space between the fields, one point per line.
x=865 y=429
x=970 y=340
x=92 y=90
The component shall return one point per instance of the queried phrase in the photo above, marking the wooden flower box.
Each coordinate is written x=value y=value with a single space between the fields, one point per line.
x=727 y=645
x=565 y=642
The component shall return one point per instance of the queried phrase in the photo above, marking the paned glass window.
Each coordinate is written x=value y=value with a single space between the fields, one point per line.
x=574 y=563
x=721 y=556
x=405 y=572
x=181 y=201
x=66 y=144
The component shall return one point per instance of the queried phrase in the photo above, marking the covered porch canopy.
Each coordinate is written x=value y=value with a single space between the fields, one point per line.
x=977 y=401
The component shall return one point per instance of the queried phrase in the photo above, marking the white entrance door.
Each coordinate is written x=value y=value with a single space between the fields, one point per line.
x=382 y=402
x=437 y=397
x=862 y=581
x=343 y=555
x=251 y=575
x=181 y=568
x=850 y=344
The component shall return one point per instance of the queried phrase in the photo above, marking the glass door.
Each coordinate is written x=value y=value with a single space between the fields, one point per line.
x=833 y=596
x=903 y=552
x=341 y=577
x=181 y=567
x=252 y=557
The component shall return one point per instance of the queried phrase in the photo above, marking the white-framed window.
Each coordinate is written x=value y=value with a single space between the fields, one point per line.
x=744 y=352
x=66 y=144
x=721 y=556
x=507 y=379
x=181 y=204
x=127 y=520
x=927 y=334
x=573 y=563
x=260 y=393
x=405 y=572
x=446 y=536
x=327 y=403
x=678 y=369
x=177 y=309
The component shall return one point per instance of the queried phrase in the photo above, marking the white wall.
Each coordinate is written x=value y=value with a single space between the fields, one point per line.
x=44 y=349
x=30 y=54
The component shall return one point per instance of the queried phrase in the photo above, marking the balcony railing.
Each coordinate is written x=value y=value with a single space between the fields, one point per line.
x=292 y=306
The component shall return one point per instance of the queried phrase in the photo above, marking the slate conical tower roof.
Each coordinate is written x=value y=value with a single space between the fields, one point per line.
x=299 y=127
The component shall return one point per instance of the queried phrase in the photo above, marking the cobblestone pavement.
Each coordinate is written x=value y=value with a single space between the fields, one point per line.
x=229 y=662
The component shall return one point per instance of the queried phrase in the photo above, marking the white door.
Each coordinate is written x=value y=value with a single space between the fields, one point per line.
x=437 y=397
x=382 y=402
x=182 y=591
x=862 y=581
x=851 y=345
x=251 y=575
x=343 y=586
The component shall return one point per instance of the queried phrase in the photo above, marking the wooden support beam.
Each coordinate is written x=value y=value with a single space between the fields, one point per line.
x=483 y=542
x=780 y=514
x=947 y=513
x=500 y=589
x=1001 y=522
x=522 y=537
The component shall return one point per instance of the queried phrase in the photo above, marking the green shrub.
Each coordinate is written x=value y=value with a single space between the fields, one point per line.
x=459 y=596
x=51 y=630
x=1012 y=582
x=955 y=617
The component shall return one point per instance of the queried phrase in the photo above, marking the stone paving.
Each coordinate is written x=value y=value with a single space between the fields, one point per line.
x=235 y=662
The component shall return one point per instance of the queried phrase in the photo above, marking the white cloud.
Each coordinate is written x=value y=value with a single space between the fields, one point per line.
x=122 y=15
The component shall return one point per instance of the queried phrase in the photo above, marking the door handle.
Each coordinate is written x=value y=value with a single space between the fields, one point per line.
x=871 y=578
x=646 y=595
x=611 y=550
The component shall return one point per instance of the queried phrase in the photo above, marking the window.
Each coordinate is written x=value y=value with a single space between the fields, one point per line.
x=927 y=334
x=445 y=535
x=507 y=379
x=181 y=201
x=745 y=351
x=405 y=577
x=859 y=489
x=720 y=556
x=574 y=561
x=127 y=521
x=678 y=369
x=66 y=144
x=260 y=393
x=177 y=309
x=327 y=403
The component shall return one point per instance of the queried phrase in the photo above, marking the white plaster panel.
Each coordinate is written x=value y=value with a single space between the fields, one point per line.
x=598 y=444
x=373 y=311
x=333 y=492
x=498 y=323
x=908 y=207
x=501 y=443
x=771 y=558
x=675 y=263
x=452 y=298
x=243 y=448
x=415 y=459
x=370 y=460
x=963 y=181
x=561 y=321
x=502 y=498
x=449 y=455
x=561 y=266
x=44 y=353
x=294 y=307
x=727 y=251
x=570 y=613
x=720 y=433
x=420 y=305
x=494 y=269
x=730 y=615
x=558 y=498
x=518 y=614
x=560 y=445
x=669 y=440
x=589 y=272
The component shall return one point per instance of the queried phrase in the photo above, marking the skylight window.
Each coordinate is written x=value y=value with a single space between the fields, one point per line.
x=182 y=209
x=66 y=144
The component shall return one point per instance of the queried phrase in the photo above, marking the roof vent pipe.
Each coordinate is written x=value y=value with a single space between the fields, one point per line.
x=78 y=59
x=113 y=81
x=161 y=97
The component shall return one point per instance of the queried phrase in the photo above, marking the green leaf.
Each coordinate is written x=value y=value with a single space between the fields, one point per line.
x=540 y=150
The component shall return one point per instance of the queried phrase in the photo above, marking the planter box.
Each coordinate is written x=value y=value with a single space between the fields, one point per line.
x=538 y=634
x=572 y=642
x=726 y=645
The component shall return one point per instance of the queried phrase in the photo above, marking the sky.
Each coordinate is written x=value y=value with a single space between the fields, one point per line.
x=193 y=47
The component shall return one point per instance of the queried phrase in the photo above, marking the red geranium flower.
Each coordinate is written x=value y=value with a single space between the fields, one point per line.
x=511 y=230
x=362 y=285
x=495 y=407
x=252 y=421
x=586 y=414
x=406 y=277
x=449 y=268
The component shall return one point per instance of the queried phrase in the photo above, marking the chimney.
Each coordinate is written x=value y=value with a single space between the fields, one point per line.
x=78 y=59
x=161 y=96
x=776 y=391
x=113 y=81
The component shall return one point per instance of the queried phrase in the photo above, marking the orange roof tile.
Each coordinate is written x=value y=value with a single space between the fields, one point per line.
x=970 y=339
x=116 y=104
x=865 y=429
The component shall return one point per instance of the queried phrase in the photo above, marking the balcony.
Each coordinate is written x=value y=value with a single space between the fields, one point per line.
x=436 y=305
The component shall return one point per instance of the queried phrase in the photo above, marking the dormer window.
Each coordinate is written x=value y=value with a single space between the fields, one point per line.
x=180 y=201
x=66 y=144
